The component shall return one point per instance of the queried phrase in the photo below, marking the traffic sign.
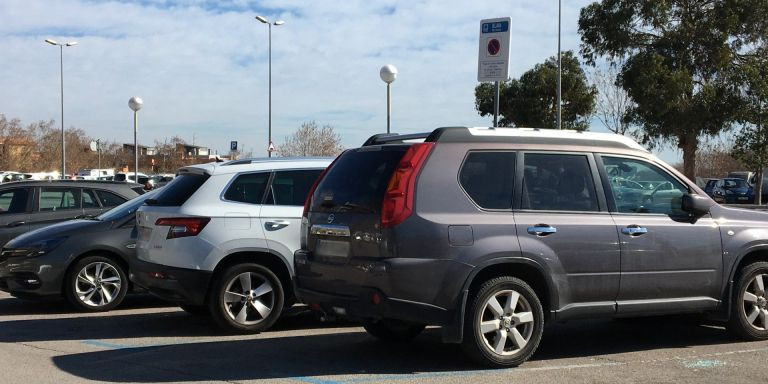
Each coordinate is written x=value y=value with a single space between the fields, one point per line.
x=493 y=53
x=233 y=145
x=271 y=147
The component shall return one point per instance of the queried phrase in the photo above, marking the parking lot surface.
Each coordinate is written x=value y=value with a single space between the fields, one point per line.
x=147 y=341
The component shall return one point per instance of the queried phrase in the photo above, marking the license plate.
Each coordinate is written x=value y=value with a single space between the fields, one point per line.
x=743 y=197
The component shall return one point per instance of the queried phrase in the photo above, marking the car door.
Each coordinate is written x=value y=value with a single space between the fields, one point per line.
x=669 y=261
x=15 y=206
x=244 y=197
x=563 y=220
x=283 y=207
x=55 y=204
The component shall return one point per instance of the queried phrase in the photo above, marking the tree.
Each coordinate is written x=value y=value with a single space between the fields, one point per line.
x=679 y=54
x=531 y=101
x=311 y=140
x=613 y=104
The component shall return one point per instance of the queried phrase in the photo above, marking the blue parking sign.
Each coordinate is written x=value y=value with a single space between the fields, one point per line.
x=233 y=145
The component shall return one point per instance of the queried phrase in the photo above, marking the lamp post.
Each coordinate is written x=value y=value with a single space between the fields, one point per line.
x=559 y=70
x=264 y=20
x=135 y=104
x=388 y=74
x=61 y=67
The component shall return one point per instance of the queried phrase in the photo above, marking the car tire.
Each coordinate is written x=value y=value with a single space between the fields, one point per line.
x=95 y=284
x=246 y=298
x=393 y=330
x=749 y=310
x=195 y=310
x=503 y=333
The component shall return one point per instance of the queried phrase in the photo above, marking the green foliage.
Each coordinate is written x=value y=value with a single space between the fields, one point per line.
x=531 y=101
x=680 y=59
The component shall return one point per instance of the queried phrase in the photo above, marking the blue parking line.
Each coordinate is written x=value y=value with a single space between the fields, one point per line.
x=314 y=380
x=109 y=345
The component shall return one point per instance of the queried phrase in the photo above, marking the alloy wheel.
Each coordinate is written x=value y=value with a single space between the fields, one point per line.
x=506 y=323
x=755 y=302
x=249 y=298
x=98 y=284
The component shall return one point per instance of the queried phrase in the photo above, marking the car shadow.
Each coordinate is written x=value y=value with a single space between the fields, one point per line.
x=354 y=352
x=11 y=306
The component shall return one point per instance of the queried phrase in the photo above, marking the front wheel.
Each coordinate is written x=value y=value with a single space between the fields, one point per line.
x=393 y=330
x=246 y=298
x=749 y=312
x=95 y=284
x=504 y=323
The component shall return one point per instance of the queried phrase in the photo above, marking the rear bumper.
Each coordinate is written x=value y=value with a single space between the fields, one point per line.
x=179 y=285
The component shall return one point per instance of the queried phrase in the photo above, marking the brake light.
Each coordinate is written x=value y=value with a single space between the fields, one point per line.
x=308 y=200
x=183 y=226
x=398 y=200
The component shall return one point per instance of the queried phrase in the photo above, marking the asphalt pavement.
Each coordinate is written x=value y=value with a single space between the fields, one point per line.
x=148 y=341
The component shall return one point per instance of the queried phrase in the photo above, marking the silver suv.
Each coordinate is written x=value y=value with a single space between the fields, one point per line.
x=490 y=233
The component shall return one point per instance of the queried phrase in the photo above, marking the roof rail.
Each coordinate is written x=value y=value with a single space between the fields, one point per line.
x=390 y=138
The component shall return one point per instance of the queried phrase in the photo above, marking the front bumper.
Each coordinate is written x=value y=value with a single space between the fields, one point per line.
x=179 y=285
x=32 y=277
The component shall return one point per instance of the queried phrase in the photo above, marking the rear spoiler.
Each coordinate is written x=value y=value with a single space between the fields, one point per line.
x=394 y=138
x=439 y=134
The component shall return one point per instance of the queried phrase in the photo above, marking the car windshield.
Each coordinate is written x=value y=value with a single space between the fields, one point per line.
x=125 y=209
x=734 y=183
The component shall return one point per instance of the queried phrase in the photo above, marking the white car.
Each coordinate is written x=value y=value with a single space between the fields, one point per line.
x=220 y=237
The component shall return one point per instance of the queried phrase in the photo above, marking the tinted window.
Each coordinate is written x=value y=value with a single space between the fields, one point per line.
x=179 y=190
x=127 y=208
x=54 y=199
x=14 y=200
x=109 y=199
x=119 y=177
x=291 y=187
x=489 y=178
x=358 y=180
x=558 y=183
x=247 y=188
x=89 y=199
x=640 y=187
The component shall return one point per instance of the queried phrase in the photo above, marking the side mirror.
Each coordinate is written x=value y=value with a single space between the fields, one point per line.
x=696 y=204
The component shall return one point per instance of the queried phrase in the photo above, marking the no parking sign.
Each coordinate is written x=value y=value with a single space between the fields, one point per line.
x=493 y=56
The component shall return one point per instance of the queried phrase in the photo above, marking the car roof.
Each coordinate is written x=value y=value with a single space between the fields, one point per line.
x=258 y=164
x=79 y=183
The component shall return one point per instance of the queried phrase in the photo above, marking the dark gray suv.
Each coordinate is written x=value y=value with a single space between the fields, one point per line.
x=490 y=233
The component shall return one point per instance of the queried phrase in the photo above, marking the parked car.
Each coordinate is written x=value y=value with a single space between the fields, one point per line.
x=95 y=174
x=709 y=187
x=130 y=177
x=84 y=260
x=28 y=205
x=220 y=238
x=490 y=233
x=160 y=180
x=7 y=176
x=733 y=191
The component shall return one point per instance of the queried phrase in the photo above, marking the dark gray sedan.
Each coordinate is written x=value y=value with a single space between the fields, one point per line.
x=86 y=260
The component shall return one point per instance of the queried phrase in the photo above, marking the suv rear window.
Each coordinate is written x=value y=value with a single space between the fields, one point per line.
x=179 y=190
x=489 y=178
x=358 y=180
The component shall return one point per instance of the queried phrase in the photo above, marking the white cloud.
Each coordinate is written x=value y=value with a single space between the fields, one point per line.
x=201 y=66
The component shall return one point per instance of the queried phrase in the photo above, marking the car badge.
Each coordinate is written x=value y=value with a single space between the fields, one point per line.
x=331 y=217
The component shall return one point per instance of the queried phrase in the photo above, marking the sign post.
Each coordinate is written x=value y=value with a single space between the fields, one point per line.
x=493 y=56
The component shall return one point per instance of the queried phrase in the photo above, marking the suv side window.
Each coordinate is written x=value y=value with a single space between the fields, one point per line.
x=638 y=186
x=89 y=199
x=248 y=188
x=109 y=199
x=558 y=182
x=14 y=200
x=54 y=199
x=489 y=178
x=291 y=187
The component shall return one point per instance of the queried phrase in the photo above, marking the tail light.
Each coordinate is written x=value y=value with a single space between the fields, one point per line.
x=308 y=200
x=183 y=226
x=398 y=200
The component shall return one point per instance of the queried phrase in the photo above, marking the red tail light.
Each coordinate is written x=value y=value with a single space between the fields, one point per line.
x=308 y=200
x=183 y=226
x=398 y=200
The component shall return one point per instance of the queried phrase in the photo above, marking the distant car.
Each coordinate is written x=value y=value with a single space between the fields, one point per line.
x=84 y=260
x=160 y=180
x=28 y=205
x=7 y=176
x=733 y=191
x=710 y=186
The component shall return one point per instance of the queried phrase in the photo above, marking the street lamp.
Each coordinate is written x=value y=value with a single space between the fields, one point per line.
x=388 y=74
x=264 y=20
x=61 y=67
x=135 y=104
x=559 y=69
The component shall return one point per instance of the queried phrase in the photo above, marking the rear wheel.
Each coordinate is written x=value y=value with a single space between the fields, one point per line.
x=246 y=298
x=95 y=284
x=393 y=330
x=749 y=312
x=504 y=323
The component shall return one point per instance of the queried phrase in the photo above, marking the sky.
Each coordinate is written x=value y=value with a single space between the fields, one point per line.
x=202 y=66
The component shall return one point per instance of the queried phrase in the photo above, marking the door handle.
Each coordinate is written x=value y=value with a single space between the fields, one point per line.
x=634 y=230
x=274 y=225
x=542 y=230
x=15 y=224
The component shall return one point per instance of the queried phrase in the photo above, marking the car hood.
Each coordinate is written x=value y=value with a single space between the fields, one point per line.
x=739 y=191
x=64 y=228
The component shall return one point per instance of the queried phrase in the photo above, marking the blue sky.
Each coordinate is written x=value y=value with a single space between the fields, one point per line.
x=201 y=66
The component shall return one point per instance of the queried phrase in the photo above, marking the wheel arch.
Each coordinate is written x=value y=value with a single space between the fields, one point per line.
x=112 y=255
x=275 y=263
